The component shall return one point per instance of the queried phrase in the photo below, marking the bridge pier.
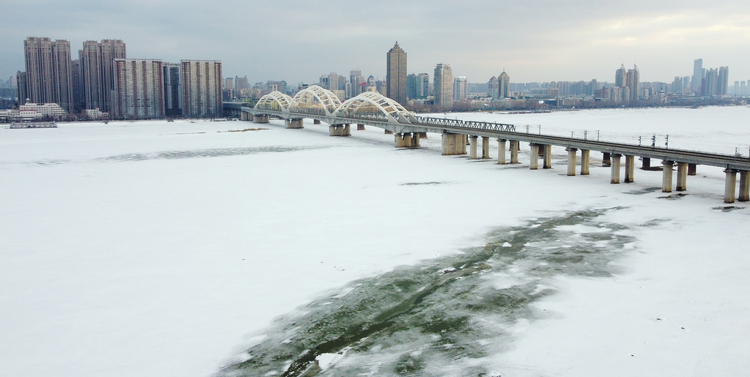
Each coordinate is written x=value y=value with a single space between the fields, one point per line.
x=501 y=151
x=407 y=140
x=339 y=130
x=729 y=185
x=485 y=147
x=453 y=144
x=572 y=162
x=388 y=132
x=422 y=135
x=360 y=127
x=262 y=118
x=547 y=156
x=615 y=163
x=534 y=155
x=514 y=151
x=316 y=121
x=692 y=168
x=585 y=161
x=629 y=168
x=606 y=160
x=295 y=123
x=645 y=163
x=473 y=147
x=682 y=169
x=244 y=116
x=744 y=186
x=666 y=181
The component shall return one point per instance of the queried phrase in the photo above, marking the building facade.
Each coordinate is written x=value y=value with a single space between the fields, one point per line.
x=460 y=88
x=139 y=89
x=201 y=88
x=396 y=74
x=443 y=86
x=172 y=90
x=503 y=85
x=97 y=71
x=48 y=77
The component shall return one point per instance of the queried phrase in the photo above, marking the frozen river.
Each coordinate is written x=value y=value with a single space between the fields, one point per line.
x=180 y=249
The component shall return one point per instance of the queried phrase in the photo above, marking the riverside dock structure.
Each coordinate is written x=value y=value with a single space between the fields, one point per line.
x=373 y=109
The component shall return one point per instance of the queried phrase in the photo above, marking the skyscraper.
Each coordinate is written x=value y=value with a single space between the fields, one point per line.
x=48 y=72
x=357 y=81
x=139 y=89
x=493 y=87
x=201 y=88
x=460 y=88
x=443 y=86
x=634 y=82
x=97 y=67
x=723 y=83
x=423 y=85
x=396 y=74
x=503 y=85
x=695 y=85
x=621 y=77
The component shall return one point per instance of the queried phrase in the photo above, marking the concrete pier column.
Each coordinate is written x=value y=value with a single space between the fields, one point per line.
x=534 y=155
x=449 y=144
x=615 y=162
x=585 y=161
x=629 y=168
x=682 y=169
x=388 y=132
x=666 y=181
x=485 y=147
x=260 y=118
x=316 y=121
x=295 y=123
x=422 y=135
x=514 y=151
x=339 y=130
x=473 y=150
x=572 y=162
x=729 y=185
x=606 y=159
x=501 y=151
x=244 y=116
x=407 y=140
x=692 y=169
x=360 y=127
x=547 y=157
x=646 y=163
x=462 y=145
x=744 y=186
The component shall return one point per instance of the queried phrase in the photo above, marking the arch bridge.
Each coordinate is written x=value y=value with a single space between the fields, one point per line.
x=374 y=109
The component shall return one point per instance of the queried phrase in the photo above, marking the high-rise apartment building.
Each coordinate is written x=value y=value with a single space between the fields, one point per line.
x=460 y=88
x=634 y=83
x=493 y=87
x=139 y=89
x=723 y=84
x=621 y=77
x=443 y=86
x=97 y=71
x=201 y=88
x=173 y=90
x=23 y=93
x=396 y=74
x=358 y=83
x=423 y=85
x=48 y=72
x=503 y=85
x=697 y=82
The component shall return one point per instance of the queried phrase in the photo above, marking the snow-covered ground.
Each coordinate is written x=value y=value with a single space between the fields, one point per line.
x=167 y=249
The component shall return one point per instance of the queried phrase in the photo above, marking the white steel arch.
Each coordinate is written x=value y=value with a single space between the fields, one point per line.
x=315 y=97
x=274 y=101
x=374 y=102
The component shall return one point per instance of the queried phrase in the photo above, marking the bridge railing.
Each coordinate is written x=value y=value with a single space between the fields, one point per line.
x=466 y=124
x=364 y=115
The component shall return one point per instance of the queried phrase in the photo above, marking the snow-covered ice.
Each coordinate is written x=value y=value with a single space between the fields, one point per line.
x=167 y=249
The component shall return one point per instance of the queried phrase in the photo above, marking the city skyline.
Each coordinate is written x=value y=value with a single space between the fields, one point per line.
x=580 y=41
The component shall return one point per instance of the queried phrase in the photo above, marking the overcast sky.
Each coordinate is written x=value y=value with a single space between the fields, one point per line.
x=298 y=41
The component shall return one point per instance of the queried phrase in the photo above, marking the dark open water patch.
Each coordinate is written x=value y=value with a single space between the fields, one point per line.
x=200 y=153
x=440 y=317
